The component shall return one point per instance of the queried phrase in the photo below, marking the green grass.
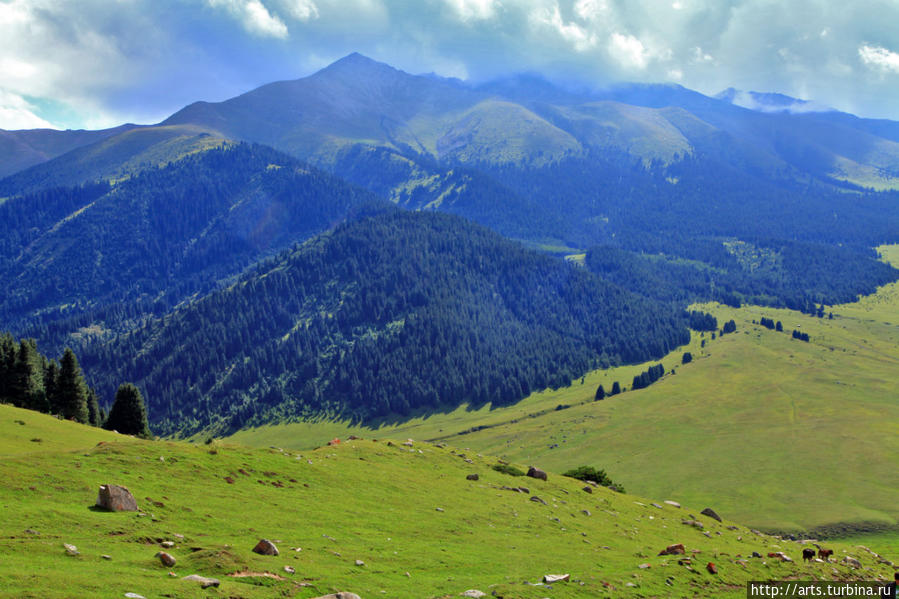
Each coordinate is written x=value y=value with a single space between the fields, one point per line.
x=773 y=432
x=370 y=500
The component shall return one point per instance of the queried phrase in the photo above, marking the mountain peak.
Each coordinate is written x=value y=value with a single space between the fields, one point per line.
x=356 y=63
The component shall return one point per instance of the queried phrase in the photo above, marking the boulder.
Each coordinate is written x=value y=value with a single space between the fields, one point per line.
x=536 y=499
x=472 y=477
x=133 y=596
x=676 y=549
x=289 y=570
x=712 y=569
x=588 y=489
x=852 y=562
x=340 y=595
x=116 y=499
x=550 y=578
x=203 y=581
x=672 y=503
x=534 y=472
x=711 y=514
x=359 y=562
x=70 y=549
x=693 y=523
x=167 y=560
x=474 y=593
x=265 y=547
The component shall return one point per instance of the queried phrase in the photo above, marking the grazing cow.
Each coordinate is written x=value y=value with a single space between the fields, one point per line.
x=808 y=554
x=825 y=554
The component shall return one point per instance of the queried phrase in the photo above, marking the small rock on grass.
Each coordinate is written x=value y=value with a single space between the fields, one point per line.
x=133 y=596
x=71 y=549
x=474 y=593
x=359 y=562
x=672 y=503
x=550 y=578
x=204 y=582
x=289 y=570
x=265 y=547
x=340 y=595
x=166 y=559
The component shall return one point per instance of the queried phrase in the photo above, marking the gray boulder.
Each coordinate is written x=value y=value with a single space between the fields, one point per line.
x=116 y=499
x=204 y=582
x=265 y=547
x=535 y=472
x=711 y=514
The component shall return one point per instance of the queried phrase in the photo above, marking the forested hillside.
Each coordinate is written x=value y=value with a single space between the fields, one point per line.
x=102 y=255
x=389 y=313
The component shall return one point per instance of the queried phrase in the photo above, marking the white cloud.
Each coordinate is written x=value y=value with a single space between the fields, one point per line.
x=700 y=56
x=301 y=10
x=579 y=37
x=474 y=10
x=628 y=51
x=675 y=74
x=879 y=57
x=16 y=113
x=254 y=17
x=591 y=10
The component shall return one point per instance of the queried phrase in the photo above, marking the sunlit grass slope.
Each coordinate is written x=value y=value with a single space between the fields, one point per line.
x=769 y=430
x=409 y=514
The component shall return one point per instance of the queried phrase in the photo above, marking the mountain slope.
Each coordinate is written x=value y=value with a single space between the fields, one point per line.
x=161 y=236
x=386 y=315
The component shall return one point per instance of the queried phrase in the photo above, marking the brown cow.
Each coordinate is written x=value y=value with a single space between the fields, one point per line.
x=808 y=554
x=825 y=554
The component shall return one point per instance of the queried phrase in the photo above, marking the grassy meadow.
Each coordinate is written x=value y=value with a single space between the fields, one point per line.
x=420 y=528
x=771 y=431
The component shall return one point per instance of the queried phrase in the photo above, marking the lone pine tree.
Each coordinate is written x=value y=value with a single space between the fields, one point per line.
x=128 y=414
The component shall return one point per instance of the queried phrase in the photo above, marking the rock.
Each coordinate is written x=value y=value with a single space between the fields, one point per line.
x=289 y=570
x=204 y=582
x=536 y=473
x=438 y=509
x=550 y=578
x=472 y=477
x=408 y=443
x=474 y=593
x=340 y=595
x=229 y=480
x=656 y=505
x=676 y=549
x=852 y=562
x=588 y=489
x=31 y=531
x=645 y=566
x=756 y=554
x=693 y=523
x=353 y=438
x=71 y=549
x=107 y=557
x=168 y=544
x=116 y=499
x=712 y=569
x=134 y=596
x=672 y=503
x=524 y=490
x=536 y=499
x=586 y=512
x=166 y=559
x=265 y=547
x=711 y=514
x=359 y=562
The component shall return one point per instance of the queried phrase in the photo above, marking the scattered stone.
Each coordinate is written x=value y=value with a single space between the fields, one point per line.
x=472 y=477
x=168 y=544
x=586 y=512
x=438 y=509
x=469 y=461
x=677 y=549
x=588 y=489
x=712 y=569
x=229 y=480
x=524 y=490
x=733 y=528
x=71 y=549
x=134 y=596
x=340 y=595
x=644 y=566
x=31 y=531
x=852 y=562
x=408 y=443
x=265 y=547
x=166 y=559
x=204 y=582
x=359 y=562
x=656 y=505
x=711 y=514
x=534 y=472
x=353 y=438
x=551 y=578
x=116 y=499
x=756 y=554
x=536 y=499
x=289 y=570
x=107 y=557
x=672 y=503
x=474 y=593
x=693 y=523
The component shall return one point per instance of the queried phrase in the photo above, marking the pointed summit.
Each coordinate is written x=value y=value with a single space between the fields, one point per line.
x=356 y=64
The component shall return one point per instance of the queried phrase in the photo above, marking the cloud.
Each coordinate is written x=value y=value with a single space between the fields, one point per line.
x=17 y=113
x=628 y=51
x=301 y=10
x=879 y=57
x=474 y=10
x=577 y=36
x=254 y=17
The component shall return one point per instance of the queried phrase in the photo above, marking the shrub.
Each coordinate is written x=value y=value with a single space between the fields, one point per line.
x=508 y=469
x=589 y=473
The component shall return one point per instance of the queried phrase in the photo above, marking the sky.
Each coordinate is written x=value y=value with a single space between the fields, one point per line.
x=100 y=63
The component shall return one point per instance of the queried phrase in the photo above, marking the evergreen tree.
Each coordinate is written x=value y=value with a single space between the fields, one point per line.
x=600 y=393
x=51 y=386
x=616 y=388
x=71 y=389
x=687 y=358
x=28 y=378
x=779 y=326
x=128 y=414
x=93 y=408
